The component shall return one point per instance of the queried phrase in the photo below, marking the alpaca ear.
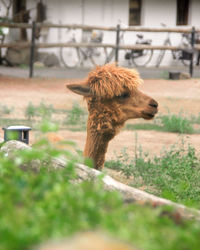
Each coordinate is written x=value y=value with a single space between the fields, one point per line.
x=80 y=89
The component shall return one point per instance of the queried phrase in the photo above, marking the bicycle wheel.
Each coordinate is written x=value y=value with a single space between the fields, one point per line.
x=160 y=58
x=70 y=57
x=141 y=57
x=185 y=59
x=94 y=56
x=109 y=56
x=87 y=55
x=93 y=61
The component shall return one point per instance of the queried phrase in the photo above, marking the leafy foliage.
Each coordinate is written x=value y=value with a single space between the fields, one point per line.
x=177 y=123
x=76 y=116
x=5 y=110
x=42 y=110
x=173 y=175
x=43 y=204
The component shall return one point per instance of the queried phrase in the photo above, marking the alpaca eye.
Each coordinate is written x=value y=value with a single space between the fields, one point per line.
x=123 y=96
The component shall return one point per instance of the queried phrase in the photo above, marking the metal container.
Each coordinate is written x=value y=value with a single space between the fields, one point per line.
x=174 y=75
x=19 y=133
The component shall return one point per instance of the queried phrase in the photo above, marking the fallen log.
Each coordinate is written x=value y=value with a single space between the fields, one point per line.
x=84 y=173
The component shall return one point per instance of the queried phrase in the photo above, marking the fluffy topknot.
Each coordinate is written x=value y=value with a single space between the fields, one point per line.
x=109 y=80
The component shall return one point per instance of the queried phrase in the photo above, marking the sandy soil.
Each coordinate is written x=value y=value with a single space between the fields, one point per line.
x=173 y=96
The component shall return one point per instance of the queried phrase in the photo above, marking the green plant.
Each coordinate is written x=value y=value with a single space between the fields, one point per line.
x=144 y=126
x=23 y=66
x=44 y=111
x=4 y=110
x=122 y=163
x=195 y=119
x=36 y=206
x=164 y=74
x=177 y=123
x=174 y=175
x=30 y=111
x=47 y=126
x=76 y=116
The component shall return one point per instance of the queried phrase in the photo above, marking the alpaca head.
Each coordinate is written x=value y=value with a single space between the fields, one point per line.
x=113 y=97
x=109 y=87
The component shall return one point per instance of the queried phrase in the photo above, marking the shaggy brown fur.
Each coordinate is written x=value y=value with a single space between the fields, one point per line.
x=112 y=97
x=108 y=81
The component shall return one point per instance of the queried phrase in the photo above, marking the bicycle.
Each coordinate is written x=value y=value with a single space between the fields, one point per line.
x=137 y=57
x=140 y=57
x=110 y=56
x=184 y=55
x=76 y=56
x=188 y=53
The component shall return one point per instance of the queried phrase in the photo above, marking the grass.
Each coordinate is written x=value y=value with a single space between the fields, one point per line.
x=176 y=123
x=164 y=75
x=145 y=126
x=174 y=174
x=44 y=111
x=75 y=119
x=195 y=119
x=44 y=205
x=5 y=110
x=35 y=207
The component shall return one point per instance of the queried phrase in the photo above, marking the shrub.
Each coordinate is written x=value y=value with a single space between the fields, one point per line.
x=76 y=116
x=44 y=111
x=4 y=110
x=30 y=111
x=176 y=123
x=36 y=206
x=173 y=175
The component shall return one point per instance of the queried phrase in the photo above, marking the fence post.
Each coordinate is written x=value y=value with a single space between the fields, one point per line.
x=117 y=44
x=192 y=50
x=32 y=50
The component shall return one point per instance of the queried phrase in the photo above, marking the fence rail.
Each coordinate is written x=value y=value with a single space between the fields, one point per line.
x=94 y=45
x=116 y=46
x=87 y=27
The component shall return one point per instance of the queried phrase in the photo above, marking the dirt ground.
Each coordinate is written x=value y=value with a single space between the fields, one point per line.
x=173 y=97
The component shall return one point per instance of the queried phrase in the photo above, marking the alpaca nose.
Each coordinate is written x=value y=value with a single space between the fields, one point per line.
x=153 y=103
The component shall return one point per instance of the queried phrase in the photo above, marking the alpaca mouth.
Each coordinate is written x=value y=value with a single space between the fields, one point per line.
x=148 y=116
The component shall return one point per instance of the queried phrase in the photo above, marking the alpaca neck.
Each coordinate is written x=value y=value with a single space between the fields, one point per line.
x=103 y=124
x=96 y=147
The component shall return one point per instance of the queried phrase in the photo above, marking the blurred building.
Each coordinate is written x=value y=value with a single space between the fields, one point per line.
x=148 y=13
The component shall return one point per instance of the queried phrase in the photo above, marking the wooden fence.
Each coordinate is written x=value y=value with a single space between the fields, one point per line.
x=32 y=45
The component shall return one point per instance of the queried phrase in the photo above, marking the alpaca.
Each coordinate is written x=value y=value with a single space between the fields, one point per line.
x=112 y=98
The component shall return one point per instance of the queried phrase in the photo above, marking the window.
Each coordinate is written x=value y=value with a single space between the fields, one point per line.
x=135 y=12
x=18 y=6
x=21 y=15
x=182 y=12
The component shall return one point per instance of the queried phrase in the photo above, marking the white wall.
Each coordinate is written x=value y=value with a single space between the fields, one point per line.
x=155 y=12
x=194 y=17
x=108 y=13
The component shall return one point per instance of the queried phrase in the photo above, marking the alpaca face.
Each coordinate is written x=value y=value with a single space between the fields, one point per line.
x=136 y=105
x=127 y=105
x=114 y=91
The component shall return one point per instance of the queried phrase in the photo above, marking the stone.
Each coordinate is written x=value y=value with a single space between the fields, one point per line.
x=17 y=56
x=49 y=60
x=184 y=75
x=87 y=241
